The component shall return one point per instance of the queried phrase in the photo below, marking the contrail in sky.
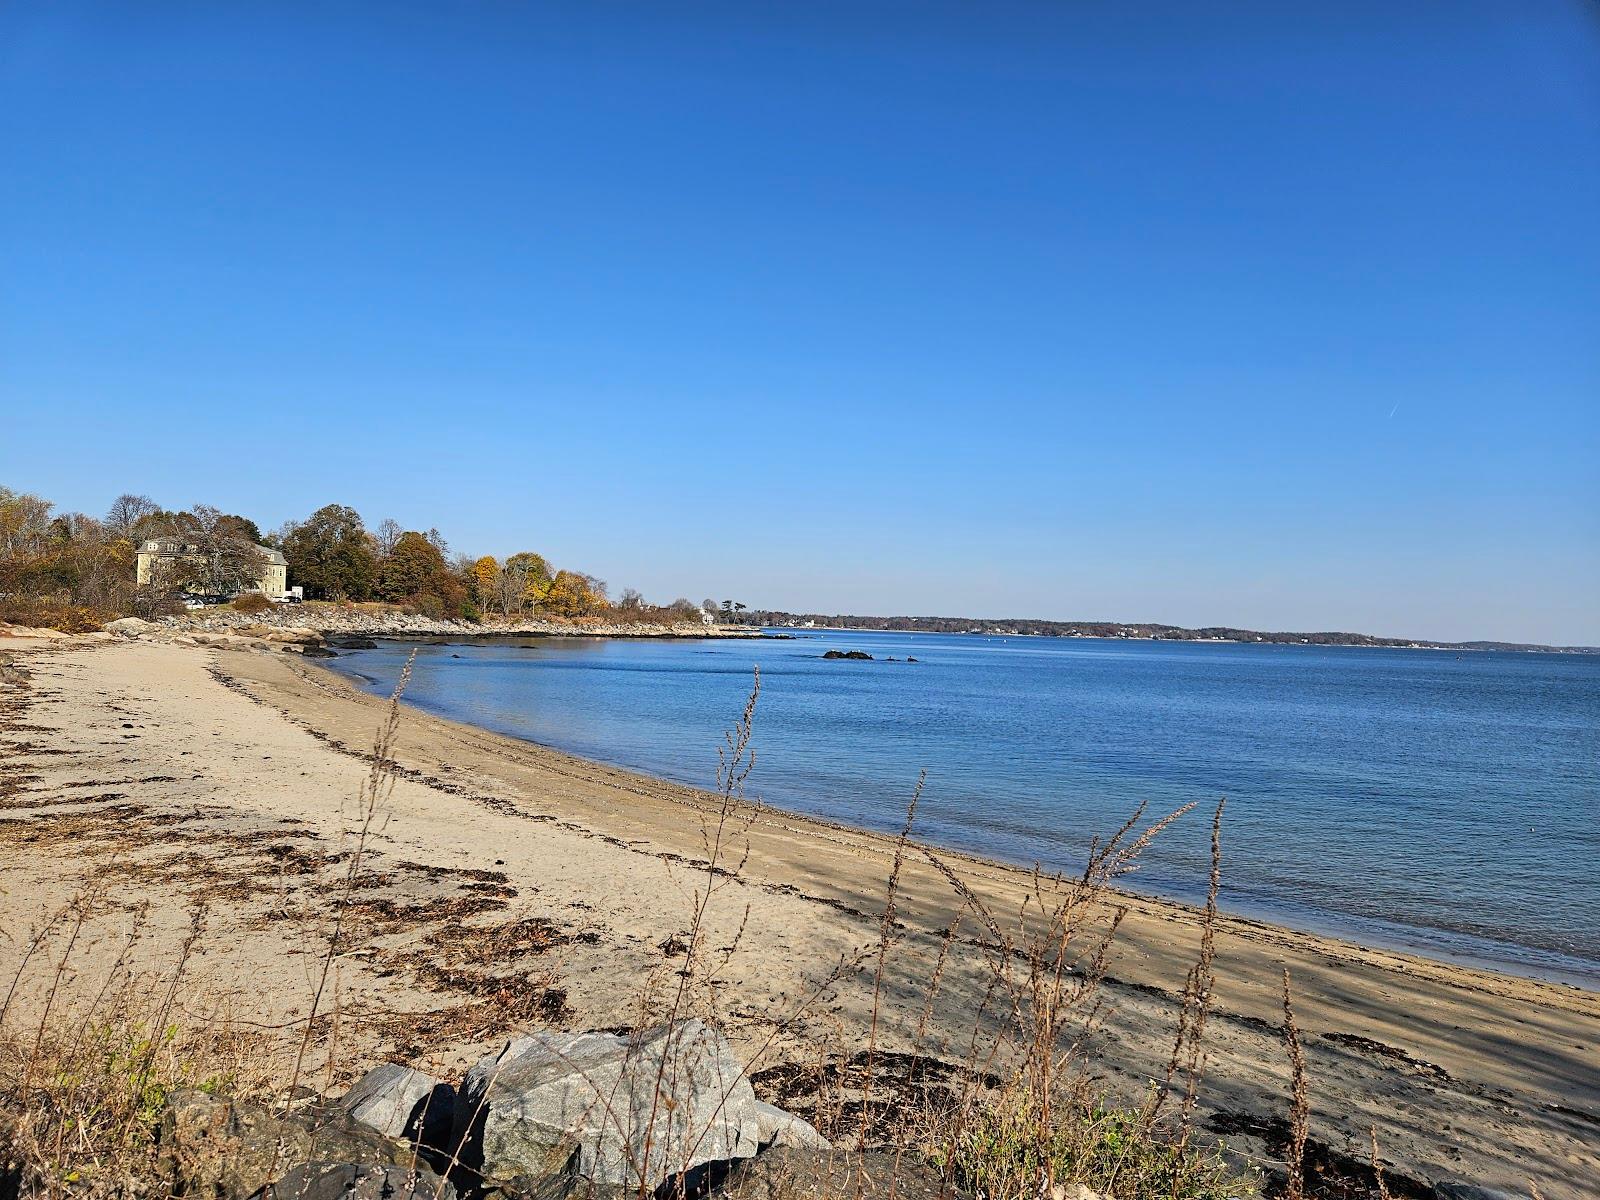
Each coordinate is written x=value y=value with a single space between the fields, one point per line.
x=1394 y=410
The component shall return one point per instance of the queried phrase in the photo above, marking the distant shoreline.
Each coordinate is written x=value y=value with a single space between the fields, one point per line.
x=339 y=620
x=796 y=631
x=1130 y=632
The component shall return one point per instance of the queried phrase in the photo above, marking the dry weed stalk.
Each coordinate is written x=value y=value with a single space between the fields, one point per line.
x=1195 y=1005
x=1300 y=1110
x=1377 y=1166
x=1046 y=1126
x=375 y=793
x=888 y=924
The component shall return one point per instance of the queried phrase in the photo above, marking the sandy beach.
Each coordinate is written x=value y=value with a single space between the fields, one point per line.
x=514 y=886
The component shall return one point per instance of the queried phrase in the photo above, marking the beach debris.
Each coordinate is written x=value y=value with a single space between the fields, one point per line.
x=356 y=1181
x=613 y=1110
x=402 y=1102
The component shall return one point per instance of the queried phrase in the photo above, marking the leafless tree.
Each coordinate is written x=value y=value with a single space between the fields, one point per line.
x=511 y=587
x=24 y=525
x=126 y=513
x=213 y=555
x=388 y=534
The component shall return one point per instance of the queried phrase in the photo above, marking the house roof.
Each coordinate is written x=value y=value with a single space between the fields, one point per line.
x=172 y=547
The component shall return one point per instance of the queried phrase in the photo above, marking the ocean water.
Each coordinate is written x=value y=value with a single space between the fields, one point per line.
x=1423 y=800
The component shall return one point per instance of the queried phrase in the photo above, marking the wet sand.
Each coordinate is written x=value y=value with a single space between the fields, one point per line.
x=514 y=886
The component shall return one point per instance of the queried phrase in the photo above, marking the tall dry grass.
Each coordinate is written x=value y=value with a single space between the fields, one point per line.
x=86 y=1078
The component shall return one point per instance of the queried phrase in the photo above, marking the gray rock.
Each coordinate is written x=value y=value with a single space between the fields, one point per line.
x=353 y=1181
x=400 y=1102
x=212 y=1146
x=127 y=626
x=588 y=1104
x=775 y=1127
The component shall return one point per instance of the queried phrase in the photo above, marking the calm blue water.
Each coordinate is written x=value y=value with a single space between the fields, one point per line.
x=1411 y=798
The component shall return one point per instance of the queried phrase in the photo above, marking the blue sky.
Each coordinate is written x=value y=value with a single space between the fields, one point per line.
x=1283 y=316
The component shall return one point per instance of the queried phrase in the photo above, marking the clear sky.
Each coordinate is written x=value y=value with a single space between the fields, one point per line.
x=1275 y=315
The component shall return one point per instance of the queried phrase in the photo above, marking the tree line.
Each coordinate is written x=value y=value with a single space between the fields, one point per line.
x=79 y=569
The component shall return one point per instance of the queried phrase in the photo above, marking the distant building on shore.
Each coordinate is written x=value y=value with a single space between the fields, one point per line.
x=168 y=556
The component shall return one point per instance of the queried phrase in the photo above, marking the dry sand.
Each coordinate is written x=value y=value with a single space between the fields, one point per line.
x=512 y=886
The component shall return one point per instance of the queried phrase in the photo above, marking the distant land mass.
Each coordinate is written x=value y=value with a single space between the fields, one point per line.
x=1029 y=627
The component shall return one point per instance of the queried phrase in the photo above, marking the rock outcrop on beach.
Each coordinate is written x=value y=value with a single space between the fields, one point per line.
x=228 y=1149
x=551 y=1116
x=618 y=1111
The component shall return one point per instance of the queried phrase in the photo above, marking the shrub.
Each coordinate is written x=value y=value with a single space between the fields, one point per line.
x=151 y=603
x=1004 y=1148
x=252 y=603
x=42 y=613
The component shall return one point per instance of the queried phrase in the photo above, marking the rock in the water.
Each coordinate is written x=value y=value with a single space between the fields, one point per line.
x=782 y=1174
x=775 y=1127
x=588 y=1104
x=127 y=626
x=851 y=655
x=401 y=1102
x=294 y=635
x=354 y=643
x=223 y=1149
x=352 y=1181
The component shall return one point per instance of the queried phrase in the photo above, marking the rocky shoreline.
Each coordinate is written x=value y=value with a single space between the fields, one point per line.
x=310 y=630
x=329 y=619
